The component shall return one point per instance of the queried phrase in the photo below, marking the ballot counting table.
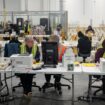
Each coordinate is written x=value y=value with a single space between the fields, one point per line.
x=78 y=70
x=58 y=70
x=4 y=97
x=95 y=70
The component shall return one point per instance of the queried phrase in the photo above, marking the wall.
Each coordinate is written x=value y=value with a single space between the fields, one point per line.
x=81 y=12
x=85 y=12
x=11 y=5
x=41 y=5
x=75 y=11
x=1 y=6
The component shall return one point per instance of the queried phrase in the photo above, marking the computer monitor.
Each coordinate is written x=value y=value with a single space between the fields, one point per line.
x=50 y=53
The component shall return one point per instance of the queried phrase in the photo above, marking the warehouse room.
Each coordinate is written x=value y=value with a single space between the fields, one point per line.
x=52 y=52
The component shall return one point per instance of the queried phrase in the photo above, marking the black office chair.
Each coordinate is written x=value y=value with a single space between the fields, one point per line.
x=93 y=86
x=99 y=88
x=57 y=86
x=19 y=85
x=13 y=48
x=84 y=56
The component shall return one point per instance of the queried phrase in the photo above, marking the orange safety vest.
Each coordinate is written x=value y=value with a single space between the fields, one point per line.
x=61 y=50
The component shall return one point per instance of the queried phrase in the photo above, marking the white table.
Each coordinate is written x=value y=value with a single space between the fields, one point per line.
x=40 y=36
x=59 y=70
x=78 y=70
x=8 y=69
x=91 y=71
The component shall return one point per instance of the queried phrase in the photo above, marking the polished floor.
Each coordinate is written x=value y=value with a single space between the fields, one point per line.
x=51 y=97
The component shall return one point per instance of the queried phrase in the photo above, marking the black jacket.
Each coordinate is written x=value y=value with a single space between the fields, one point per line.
x=84 y=45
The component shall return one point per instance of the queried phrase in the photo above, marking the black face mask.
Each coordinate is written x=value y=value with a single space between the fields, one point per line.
x=58 y=29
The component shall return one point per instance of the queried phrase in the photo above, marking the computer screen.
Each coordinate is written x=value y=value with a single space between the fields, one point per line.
x=50 y=53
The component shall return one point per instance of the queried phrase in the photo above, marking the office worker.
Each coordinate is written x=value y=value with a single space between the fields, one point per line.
x=61 y=50
x=84 y=44
x=58 y=31
x=90 y=29
x=101 y=54
x=29 y=47
x=13 y=40
x=90 y=32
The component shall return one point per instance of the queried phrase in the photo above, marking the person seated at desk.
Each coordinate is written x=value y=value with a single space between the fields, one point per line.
x=61 y=50
x=84 y=46
x=90 y=29
x=58 y=31
x=14 y=39
x=31 y=48
x=90 y=32
x=101 y=54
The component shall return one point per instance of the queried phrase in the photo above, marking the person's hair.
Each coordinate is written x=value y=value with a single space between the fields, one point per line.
x=54 y=38
x=103 y=44
x=90 y=27
x=14 y=37
x=80 y=34
x=28 y=38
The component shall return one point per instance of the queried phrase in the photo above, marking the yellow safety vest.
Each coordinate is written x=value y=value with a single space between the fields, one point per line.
x=104 y=55
x=23 y=49
x=29 y=29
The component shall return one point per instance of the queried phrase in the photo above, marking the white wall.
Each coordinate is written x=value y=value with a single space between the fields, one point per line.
x=52 y=5
x=34 y=5
x=41 y=5
x=79 y=13
x=75 y=10
x=11 y=5
x=1 y=6
x=94 y=10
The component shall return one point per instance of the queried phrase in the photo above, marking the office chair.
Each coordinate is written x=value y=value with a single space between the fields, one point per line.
x=84 y=56
x=84 y=47
x=50 y=59
x=99 y=88
x=57 y=86
x=20 y=85
x=94 y=94
x=13 y=48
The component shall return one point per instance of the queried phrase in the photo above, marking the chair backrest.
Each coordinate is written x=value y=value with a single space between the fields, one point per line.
x=11 y=48
x=85 y=47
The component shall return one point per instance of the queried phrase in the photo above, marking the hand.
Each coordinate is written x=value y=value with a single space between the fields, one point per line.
x=34 y=61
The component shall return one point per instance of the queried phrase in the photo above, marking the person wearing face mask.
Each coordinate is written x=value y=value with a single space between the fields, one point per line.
x=29 y=47
x=58 y=31
x=90 y=29
x=90 y=32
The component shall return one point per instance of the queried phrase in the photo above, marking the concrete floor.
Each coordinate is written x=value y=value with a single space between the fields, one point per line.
x=51 y=97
